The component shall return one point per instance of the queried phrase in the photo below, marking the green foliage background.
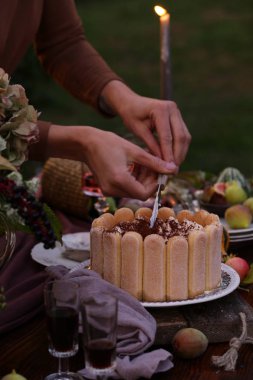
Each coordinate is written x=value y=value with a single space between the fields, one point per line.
x=211 y=47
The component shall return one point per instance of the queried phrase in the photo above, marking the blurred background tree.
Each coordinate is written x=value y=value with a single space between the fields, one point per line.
x=211 y=47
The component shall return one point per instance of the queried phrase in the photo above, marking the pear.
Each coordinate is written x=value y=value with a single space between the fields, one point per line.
x=238 y=216
x=234 y=193
x=249 y=204
x=13 y=376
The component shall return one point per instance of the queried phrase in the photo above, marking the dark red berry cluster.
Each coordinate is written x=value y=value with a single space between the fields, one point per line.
x=30 y=209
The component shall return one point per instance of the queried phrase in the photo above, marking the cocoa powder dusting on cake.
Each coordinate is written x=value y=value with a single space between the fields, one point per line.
x=167 y=229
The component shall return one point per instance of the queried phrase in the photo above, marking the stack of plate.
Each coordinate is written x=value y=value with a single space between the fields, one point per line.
x=239 y=236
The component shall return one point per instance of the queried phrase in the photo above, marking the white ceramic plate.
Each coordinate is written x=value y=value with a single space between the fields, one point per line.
x=229 y=282
x=78 y=240
x=47 y=257
x=240 y=231
x=240 y=238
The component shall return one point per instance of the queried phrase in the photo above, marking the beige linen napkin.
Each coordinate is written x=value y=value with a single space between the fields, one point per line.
x=136 y=327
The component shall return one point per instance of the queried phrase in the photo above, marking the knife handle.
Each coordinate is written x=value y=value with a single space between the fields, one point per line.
x=162 y=179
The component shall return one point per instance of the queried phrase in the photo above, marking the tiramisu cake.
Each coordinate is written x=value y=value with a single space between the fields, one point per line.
x=179 y=258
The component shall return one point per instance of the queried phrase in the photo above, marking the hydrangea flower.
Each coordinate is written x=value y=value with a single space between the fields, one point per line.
x=18 y=121
x=18 y=201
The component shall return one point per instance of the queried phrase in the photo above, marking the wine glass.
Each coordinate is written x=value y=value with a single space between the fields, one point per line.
x=61 y=299
x=7 y=240
x=99 y=319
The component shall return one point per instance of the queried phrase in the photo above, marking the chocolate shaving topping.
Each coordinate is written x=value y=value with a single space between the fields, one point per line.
x=167 y=229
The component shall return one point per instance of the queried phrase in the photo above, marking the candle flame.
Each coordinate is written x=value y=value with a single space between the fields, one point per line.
x=160 y=11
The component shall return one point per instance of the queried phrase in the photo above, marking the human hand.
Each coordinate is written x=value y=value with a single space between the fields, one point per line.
x=110 y=158
x=158 y=123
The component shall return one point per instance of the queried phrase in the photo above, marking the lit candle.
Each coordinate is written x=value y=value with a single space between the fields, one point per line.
x=165 y=55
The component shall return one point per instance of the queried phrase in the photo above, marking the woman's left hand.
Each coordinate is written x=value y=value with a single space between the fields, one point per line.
x=158 y=123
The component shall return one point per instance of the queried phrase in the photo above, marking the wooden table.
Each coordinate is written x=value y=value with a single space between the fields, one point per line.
x=25 y=349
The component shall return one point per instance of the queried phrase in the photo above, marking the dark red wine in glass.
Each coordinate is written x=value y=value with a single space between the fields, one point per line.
x=100 y=354
x=62 y=325
x=61 y=298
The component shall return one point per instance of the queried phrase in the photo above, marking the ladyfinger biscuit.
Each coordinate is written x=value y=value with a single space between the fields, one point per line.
x=200 y=217
x=107 y=221
x=123 y=214
x=112 y=257
x=212 y=219
x=154 y=269
x=197 y=241
x=165 y=213
x=184 y=214
x=96 y=249
x=132 y=263
x=143 y=212
x=213 y=255
x=177 y=269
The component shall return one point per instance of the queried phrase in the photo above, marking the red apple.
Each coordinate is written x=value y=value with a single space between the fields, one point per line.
x=239 y=265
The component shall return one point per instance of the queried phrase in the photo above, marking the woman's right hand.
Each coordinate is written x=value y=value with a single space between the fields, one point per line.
x=110 y=157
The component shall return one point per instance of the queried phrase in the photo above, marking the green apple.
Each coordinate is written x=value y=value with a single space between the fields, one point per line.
x=238 y=216
x=249 y=204
x=234 y=193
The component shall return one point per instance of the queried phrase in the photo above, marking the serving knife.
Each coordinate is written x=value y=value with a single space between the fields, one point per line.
x=162 y=179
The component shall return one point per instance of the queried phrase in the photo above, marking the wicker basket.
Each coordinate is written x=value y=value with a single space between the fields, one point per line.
x=61 y=184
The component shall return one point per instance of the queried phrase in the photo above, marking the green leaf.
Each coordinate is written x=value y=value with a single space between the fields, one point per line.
x=6 y=165
x=54 y=221
x=13 y=225
x=112 y=204
x=249 y=278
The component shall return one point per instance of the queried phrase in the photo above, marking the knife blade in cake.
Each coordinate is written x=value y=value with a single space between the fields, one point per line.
x=162 y=179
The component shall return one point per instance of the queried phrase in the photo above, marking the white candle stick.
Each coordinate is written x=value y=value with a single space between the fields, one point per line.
x=165 y=54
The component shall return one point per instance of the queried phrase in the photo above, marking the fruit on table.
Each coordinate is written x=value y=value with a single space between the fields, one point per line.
x=234 y=193
x=232 y=174
x=189 y=343
x=222 y=193
x=218 y=196
x=230 y=188
x=249 y=203
x=238 y=216
x=13 y=376
x=240 y=265
x=248 y=280
x=215 y=193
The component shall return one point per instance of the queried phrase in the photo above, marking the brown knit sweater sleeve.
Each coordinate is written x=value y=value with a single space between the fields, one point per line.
x=67 y=55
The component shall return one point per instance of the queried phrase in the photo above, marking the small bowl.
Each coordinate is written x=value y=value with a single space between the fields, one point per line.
x=214 y=208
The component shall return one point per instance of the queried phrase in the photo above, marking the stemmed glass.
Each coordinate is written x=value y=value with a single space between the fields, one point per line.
x=61 y=298
x=7 y=240
x=99 y=318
